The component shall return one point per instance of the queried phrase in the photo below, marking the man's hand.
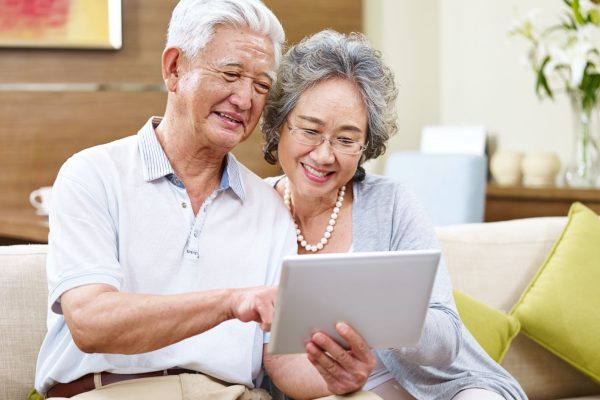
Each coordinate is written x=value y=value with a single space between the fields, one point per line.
x=344 y=371
x=254 y=304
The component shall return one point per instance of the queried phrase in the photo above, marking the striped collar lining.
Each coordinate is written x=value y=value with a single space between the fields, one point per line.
x=156 y=164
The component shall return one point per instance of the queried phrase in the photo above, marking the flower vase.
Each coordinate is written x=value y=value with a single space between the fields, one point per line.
x=583 y=170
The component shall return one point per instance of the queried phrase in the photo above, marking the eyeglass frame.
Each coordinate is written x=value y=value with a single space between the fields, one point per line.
x=324 y=139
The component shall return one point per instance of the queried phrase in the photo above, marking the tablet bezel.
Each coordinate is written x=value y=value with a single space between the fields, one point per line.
x=384 y=295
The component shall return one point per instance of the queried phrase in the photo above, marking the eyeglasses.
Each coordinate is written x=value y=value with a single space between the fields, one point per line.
x=339 y=144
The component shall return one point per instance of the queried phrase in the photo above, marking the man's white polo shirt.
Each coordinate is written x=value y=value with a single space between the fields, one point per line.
x=121 y=217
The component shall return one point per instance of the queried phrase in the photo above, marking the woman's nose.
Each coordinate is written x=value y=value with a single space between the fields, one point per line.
x=323 y=153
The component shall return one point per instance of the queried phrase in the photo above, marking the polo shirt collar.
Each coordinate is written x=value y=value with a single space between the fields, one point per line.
x=156 y=165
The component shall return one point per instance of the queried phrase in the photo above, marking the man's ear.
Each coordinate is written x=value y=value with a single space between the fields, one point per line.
x=172 y=60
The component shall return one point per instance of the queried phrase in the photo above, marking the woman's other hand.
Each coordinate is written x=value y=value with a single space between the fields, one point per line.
x=344 y=371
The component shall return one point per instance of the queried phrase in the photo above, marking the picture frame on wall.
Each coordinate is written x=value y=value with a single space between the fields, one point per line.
x=70 y=24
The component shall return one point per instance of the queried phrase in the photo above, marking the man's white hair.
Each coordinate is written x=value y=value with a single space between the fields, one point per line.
x=193 y=23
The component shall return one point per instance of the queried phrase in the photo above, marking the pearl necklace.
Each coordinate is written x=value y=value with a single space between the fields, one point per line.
x=328 y=231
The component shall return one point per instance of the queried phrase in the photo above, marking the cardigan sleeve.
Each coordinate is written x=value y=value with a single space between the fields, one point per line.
x=401 y=224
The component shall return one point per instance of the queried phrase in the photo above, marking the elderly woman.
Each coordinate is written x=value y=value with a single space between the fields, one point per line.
x=331 y=109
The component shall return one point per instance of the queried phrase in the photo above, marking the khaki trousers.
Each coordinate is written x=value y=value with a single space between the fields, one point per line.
x=362 y=395
x=202 y=387
x=187 y=387
x=172 y=387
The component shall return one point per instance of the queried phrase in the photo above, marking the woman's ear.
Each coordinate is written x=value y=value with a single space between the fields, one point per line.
x=172 y=59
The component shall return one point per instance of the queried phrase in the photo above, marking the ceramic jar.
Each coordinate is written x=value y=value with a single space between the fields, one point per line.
x=540 y=169
x=505 y=166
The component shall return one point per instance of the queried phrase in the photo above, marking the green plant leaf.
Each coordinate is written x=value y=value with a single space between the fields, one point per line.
x=570 y=25
x=590 y=85
x=541 y=84
x=577 y=12
x=594 y=17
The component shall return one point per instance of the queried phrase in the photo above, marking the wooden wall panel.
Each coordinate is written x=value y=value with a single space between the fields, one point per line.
x=39 y=130
x=303 y=17
x=144 y=26
x=34 y=144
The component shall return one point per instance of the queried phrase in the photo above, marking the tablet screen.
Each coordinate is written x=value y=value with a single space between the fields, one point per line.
x=383 y=295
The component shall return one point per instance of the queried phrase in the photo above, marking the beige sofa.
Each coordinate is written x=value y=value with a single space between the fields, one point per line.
x=492 y=262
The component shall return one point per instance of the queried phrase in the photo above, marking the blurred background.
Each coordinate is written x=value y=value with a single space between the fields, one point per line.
x=454 y=63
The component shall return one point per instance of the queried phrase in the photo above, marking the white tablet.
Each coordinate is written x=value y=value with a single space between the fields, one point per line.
x=383 y=295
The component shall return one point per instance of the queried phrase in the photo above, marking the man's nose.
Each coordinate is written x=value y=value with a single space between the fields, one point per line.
x=242 y=94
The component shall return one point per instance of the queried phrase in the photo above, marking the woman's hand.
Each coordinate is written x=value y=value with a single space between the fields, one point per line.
x=344 y=371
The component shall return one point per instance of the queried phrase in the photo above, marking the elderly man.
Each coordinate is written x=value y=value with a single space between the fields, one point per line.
x=163 y=248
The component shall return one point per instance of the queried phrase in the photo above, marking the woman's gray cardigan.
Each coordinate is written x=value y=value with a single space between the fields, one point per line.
x=386 y=216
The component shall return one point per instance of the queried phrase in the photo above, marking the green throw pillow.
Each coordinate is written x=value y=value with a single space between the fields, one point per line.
x=493 y=329
x=560 y=309
x=34 y=395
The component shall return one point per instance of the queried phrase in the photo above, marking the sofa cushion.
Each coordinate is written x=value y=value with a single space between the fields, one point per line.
x=559 y=309
x=494 y=262
x=493 y=329
x=23 y=305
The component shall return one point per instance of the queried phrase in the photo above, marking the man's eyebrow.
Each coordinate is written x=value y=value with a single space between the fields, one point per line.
x=319 y=122
x=225 y=64
x=269 y=74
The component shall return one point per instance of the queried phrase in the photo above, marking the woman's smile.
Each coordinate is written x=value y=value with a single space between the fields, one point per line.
x=333 y=108
x=315 y=174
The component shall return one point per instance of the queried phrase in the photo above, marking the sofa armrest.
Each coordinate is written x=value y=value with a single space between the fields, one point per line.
x=23 y=305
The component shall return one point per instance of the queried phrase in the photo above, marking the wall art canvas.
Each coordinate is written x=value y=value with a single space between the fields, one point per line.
x=82 y=24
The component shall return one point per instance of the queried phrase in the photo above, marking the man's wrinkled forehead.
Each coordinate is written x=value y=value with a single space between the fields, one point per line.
x=235 y=46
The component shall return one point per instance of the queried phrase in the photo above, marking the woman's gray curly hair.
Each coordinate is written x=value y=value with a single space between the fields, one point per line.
x=325 y=55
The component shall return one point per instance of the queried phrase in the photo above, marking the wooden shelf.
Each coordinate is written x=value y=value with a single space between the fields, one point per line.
x=511 y=202
x=23 y=224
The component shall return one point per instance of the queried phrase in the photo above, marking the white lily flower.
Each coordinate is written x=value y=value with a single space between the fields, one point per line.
x=567 y=52
x=526 y=25
x=578 y=64
x=558 y=58
x=590 y=36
